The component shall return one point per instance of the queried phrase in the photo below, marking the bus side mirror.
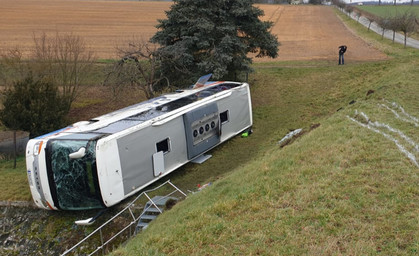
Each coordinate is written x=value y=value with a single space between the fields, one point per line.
x=78 y=154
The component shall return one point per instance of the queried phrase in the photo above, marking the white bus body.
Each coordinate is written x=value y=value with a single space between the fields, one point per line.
x=97 y=163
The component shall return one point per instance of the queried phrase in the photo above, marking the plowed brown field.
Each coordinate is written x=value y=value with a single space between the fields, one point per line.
x=314 y=33
x=305 y=32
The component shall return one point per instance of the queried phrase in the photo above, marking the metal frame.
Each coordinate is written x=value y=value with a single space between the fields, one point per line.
x=134 y=221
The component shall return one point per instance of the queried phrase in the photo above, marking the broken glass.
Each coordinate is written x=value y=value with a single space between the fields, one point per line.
x=75 y=180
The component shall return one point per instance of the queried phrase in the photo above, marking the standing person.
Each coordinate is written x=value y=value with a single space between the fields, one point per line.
x=342 y=50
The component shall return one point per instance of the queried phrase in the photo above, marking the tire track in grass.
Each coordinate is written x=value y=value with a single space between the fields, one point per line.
x=404 y=143
x=403 y=116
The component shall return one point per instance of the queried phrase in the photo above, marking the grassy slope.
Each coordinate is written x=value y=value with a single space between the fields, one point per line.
x=340 y=189
x=14 y=182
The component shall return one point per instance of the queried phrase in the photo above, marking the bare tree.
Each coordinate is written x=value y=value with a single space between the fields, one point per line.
x=349 y=9
x=63 y=60
x=385 y=24
x=139 y=66
x=393 y=25
x=11 y=68
x=358 y=15
x=340 y=4
x=394 y=28
x=370 y=19
x=406 y=23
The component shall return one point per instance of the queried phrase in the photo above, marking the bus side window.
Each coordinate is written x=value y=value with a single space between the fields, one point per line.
x=224 y=117
x=163 y=145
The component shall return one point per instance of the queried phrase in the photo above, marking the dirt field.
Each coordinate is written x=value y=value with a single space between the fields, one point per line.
x=104 y=25
x=305 y=32
x=314 y=33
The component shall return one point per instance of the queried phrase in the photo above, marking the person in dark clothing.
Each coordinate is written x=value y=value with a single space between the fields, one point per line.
x=342 y=50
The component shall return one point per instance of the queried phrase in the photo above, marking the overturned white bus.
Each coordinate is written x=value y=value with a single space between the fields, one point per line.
x=97 y=163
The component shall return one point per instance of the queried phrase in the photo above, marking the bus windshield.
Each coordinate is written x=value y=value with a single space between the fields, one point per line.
x=73 y=180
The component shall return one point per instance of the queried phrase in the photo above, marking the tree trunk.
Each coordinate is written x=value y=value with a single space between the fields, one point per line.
x=14 y=149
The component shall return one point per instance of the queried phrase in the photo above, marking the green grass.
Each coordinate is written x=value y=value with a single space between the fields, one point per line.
x=14 y=182
x=389 y=10
x=339 y=189
x=331 y=192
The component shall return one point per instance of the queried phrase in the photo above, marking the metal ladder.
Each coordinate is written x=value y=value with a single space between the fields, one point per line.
x=152 y=209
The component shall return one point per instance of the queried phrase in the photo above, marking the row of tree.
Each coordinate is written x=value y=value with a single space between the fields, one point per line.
x=404 y=22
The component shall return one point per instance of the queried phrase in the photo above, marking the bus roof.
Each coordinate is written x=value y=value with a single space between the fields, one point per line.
x=136 y=114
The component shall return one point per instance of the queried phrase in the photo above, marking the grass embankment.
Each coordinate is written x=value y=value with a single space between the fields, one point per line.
x=339 y=189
